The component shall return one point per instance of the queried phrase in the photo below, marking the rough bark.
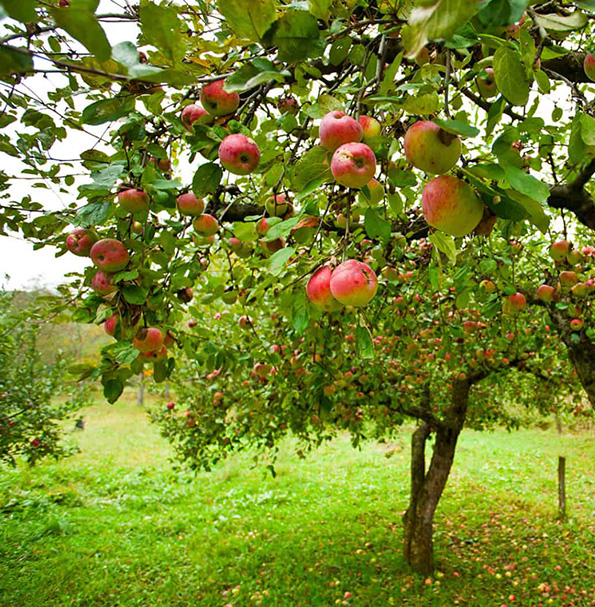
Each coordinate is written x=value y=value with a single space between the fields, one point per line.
x=427 y=488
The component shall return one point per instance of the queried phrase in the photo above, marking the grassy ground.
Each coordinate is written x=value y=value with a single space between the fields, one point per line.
x=116 y=526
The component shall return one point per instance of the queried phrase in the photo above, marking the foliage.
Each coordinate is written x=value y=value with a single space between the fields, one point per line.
x=34 y=397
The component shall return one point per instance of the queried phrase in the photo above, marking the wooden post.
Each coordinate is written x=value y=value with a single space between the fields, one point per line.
x=140 y=397
x=166 y=390
x=562 y=488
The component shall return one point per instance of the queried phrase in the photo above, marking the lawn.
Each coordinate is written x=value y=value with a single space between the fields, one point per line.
x=117 y=526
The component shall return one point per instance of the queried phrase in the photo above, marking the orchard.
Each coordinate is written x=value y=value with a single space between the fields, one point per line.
x=314 y=217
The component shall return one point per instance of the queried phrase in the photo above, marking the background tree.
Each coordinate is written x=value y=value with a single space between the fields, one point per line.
x=496 y=91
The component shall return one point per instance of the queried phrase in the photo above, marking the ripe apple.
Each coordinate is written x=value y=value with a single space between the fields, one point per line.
x=170 y=405
x=218 y=102
x=336 y=129
x=580 y=290
x=514 y=303
x=371 y=129
x=137 y=227
x=102 y=283
x=318 y=290
x=486 y=84
x=574 y=257
x=133 y=200
x=245 y=322
x=239 y=154
x=195 y=113
x=185 y=295
x=272 y=246
x=205 y=225
x=154 y=355
x=559 y=250
x=80 y=241
x=576 y=324
x=262 y=227
x=190 y=205
x=567 y=279
x=109 y=255
x=546 y=293
x=242 y=249
x=110 y=324
x=148 y=339
x=589 y=66
x=353 y=283
x=277 y=206
x=288 y=105
x=451 y=205
x=353 y=165
x=430 y=148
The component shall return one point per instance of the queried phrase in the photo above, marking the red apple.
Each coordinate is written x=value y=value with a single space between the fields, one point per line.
x=277 y=205
x=546 y=293
x=102 y=283
x=239 y=154
x=371 y=129
x=170 y=405
x=195 y=113
x=189 y=204
x=487 y=286
x=110 y=324
x=133 y=200
x=589 y=66
x=80 y=241
x=262 y=227
x=148 y=339
x=353 y=283
x=245 y=322
x=580 y=290
x=336 y=129
x=154 y=355
x=109 y=255
x=318 y=290
x=559 y=250
x=288 y=105
x=514 y=303
x=353 y=165
x=576 y=324
x=567 y=279
x=205 y=225
x=217 y=101
x=451 y=205
x=430 y=148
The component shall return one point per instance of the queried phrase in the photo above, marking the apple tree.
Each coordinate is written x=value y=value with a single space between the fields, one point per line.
x=364 y=191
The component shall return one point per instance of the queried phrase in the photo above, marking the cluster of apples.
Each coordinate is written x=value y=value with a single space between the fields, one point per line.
x=351 y=283
x=205 y=225
x=568 y=282
x=237 y=153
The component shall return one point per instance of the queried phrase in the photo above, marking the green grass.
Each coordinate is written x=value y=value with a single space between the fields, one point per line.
x=116 y=526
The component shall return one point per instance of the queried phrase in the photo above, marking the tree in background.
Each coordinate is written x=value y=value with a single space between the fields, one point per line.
x=35 y=397
x=379 y=192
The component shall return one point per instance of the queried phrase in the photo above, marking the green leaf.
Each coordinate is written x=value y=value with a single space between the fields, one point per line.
x=458 y=127
x=206 y=179
x=15 y=61
x=107 y=110
x=21 y=10
x=135 y=295
x=249 y=19
x=543 y=82
x=438 y=21
x=79 y=21
x=310 y=167
x=586 y=5
x=534 y=210
x=363 y=342
x=277 y=261
x=495 y=115
x=510 y=75
x=162 y=28
x=112 y=389
x=127 y=354
x=376 y=226
x=299 y=314
x=94 y=214
x=576 y=145
x=587 y=129
x=297 y=37
x=562 y=23
x=339 y=50
x=526 y=184
x=321 y=8
x=499 y=13
x=445 y=244
x=253 y=73
x=282 y=229
x=422 y=104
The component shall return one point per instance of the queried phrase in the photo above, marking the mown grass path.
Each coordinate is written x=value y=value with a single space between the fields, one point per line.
x=116 y=526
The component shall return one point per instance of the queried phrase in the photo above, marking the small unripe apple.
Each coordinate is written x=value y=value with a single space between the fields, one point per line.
x=430 y=148
x=190 y=205
x=353 y=283
x=205 y=225
x=109 y=255
x=277 y=206
x=336 y=129
x=589 y=66
x=133 y=200
x=318 y=290
x=559 y=250
x=148 y=339
x=574 y=257
x=546 y=293
x=288 y=105
x=486 y=85
x=137 y=227
x=576 y=324
x=451 y=205
x=353 y=165
x=514 y=303
x=487 y=287
x=371 y=129
x=239 y=154
x=81 y=241
x=218 y=102
x=580 y=290
x=262 y=227
x=195 y=113
x=242 y=249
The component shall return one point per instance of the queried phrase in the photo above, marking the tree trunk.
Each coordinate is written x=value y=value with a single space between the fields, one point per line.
x=427 y=488
x=140 y=395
